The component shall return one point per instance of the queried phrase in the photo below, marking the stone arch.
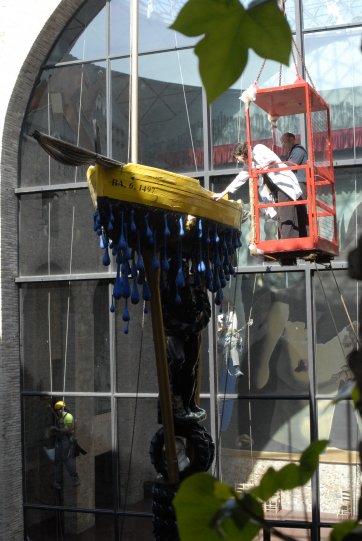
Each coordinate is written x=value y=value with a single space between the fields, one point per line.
x=11 y=500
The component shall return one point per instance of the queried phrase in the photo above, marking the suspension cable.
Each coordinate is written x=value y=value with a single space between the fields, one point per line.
x=140 y=351
x=184 y=92
x=331 y=313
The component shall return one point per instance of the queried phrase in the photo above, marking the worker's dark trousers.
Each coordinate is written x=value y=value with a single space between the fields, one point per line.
x=292 y=219
x=64 y=455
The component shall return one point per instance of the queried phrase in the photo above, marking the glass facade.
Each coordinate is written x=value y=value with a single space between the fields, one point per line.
x=273 y=358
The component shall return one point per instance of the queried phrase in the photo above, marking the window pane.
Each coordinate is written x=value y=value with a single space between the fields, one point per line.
x=155 y=17
x=120 y=109
x=171 y=130
x=319 y=13
x=65 y=337
x=119 y=27
x=349 y=208
x=84 y=37
x=42 y=525
x=56 y=234
x=64 y=105
x=256 y=439
x=228 y=113
x=137 y=424
x=49 y=460
x=339 y=499
x=140 y=528
x=335 y=338
x=333 y=61
x=276 y=336
x=136 y=364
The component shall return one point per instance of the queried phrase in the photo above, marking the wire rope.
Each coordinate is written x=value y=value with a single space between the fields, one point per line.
x=331 y=313
x=184 y=92
x=140 y=351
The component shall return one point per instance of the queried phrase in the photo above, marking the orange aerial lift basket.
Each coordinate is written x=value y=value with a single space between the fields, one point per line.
x=292 y=105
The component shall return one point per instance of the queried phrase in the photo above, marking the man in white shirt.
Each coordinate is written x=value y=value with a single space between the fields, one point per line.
x=279 y=187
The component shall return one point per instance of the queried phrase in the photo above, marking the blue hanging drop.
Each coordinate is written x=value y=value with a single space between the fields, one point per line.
x=112 y=307
x=106 y=259
x=181 y=224
x=135 y=296
x=117 y=288
x=125 y=315
x=122 y=242
x=111 y=219
x=146 y=294
x=166 y=231
x=149 y=233
x=199 y=227
x=155 y=263
x=133 y=224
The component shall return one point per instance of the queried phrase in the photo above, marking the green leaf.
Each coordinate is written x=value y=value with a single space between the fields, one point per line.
x=268 y=32
x=343 y=529
x=229 y=31
x=202 y=16
x=310 y=457
x=197 y=503
x=292 y=475
x=356 y=397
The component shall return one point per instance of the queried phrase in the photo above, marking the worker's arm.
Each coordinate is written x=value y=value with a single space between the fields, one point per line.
x=238 y=181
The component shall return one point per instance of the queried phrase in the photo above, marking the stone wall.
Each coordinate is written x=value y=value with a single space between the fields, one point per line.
x=22 y=22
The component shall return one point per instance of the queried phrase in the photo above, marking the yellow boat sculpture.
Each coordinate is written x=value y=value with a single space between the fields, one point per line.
x=134 y=183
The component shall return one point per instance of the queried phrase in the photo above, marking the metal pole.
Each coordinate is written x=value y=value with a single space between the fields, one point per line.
x=134 y=81
x=159 y=342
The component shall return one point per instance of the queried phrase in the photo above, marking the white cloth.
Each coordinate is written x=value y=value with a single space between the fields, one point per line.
x=286 y=181
x=264 y=192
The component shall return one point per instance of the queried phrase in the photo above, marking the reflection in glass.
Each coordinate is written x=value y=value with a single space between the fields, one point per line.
x=85 y=35
x=171 y=129
x=136 y=364
x=140 y=528
x=56 y=234
x=228 y=114
x=120 y=110
x=349 y=208
x=60 y=352
x=333 y=61
x=42 y=525
x=119 y=27
x=249 y=447
x=155 y=18
x=327 y=13
x=335 y=337
x=137 y=424
x=93 y=434
x=64 y=105
x=339 y=469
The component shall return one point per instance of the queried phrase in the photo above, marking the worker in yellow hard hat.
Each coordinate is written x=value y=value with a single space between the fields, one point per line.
x=65 y=444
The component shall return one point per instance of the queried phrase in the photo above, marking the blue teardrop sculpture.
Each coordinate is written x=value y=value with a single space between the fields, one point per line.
x=166 y=231
x=146 y=294
x=180 y=279
x=133 y=224
x=106 y=258
x=117 y=289
x=181 y=223
x=200 y=229
x=125 y=315
x=135 y=296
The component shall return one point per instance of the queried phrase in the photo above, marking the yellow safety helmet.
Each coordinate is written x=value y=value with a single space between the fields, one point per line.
x=59 y=405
